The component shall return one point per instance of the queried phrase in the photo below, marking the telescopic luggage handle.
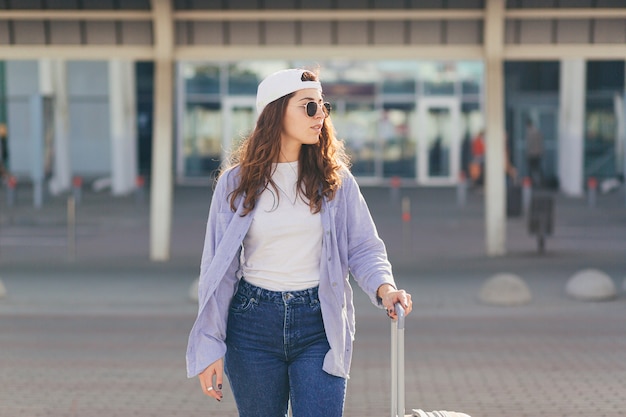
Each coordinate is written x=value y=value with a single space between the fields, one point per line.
x=397 y=372
x=397 y=363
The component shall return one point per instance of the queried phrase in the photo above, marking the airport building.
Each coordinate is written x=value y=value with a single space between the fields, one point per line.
x=111 y=90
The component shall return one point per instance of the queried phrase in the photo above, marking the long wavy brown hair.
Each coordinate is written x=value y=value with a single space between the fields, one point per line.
x=319 y=164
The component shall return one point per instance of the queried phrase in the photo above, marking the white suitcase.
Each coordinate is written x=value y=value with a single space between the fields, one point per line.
x=397 y=374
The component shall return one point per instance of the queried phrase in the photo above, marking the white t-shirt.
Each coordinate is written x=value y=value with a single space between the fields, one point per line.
x=282 y=249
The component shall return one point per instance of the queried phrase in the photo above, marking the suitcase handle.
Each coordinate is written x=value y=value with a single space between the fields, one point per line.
x=397 y=363
x=401 y=315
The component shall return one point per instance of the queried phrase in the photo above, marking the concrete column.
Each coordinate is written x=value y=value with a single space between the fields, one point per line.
x=495 y=190
x=46 y=78
x=35 y=104
x=49 y=139
x=495 y=182
x=572 y=126
x=162 y=132
x=122 y=108
x=161 y=178
x=53 y=84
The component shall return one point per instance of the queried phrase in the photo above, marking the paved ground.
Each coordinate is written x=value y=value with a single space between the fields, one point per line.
x=105 y=334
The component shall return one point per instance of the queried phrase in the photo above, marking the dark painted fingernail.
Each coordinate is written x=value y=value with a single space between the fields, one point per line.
x=219 y=386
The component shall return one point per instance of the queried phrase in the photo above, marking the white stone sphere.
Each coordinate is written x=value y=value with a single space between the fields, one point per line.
x=505 y=289
x=591 y=285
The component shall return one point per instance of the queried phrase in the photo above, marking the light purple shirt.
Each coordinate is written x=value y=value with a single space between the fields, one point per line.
x=350 y=245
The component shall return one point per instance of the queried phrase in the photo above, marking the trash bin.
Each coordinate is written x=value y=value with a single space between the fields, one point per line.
x=541 y=218
x=514 y=200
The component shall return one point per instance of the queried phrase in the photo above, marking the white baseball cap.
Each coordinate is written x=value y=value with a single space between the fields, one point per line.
x=280 y=84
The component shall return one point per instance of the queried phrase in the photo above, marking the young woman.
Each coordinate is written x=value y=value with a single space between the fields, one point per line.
x=287 y=225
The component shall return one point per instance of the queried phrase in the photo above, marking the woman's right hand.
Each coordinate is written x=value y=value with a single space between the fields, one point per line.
x=216 y=369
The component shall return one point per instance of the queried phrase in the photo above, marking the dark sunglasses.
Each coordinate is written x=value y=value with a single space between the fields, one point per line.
x=311 y=108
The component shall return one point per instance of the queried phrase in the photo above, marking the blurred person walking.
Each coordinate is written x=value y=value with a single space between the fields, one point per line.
x=286 y=227
x=534 y=153
x=477 y=165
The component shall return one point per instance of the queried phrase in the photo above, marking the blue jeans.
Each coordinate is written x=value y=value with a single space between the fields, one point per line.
x=276 y=345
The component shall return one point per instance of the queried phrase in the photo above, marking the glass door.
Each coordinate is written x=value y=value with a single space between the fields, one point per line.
x=439 y=141
x=396 y=129
x=238 y=118
x=199 y=152
x=356 y=124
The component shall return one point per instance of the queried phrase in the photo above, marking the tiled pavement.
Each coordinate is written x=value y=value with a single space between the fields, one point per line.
x=105 y=335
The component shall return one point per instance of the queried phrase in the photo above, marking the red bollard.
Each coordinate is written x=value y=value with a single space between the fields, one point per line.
x=592 y=191
x=407 y=237
x=140 y=184
x=11 y=187
x=395 y=183
x=77 y=185
x=592 y=183
x=406 y=210
x=527 y=192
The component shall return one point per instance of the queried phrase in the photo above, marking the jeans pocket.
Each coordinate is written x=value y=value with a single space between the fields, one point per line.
x=242 y=303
